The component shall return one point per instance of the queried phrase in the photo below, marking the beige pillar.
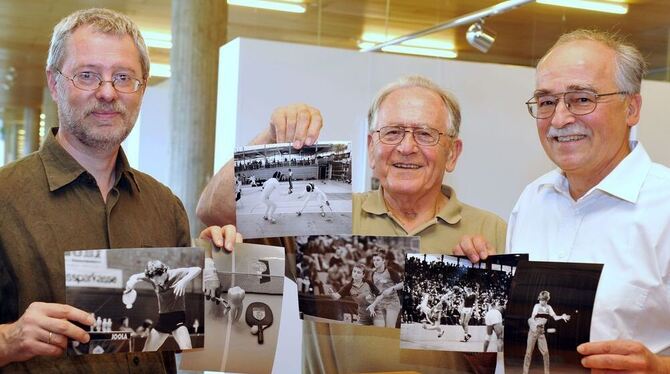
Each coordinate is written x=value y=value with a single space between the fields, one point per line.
x=198 y=30
x=9 y=132
x=31 y=129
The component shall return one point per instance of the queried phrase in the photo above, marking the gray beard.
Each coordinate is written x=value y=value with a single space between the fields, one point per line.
x=83 y=133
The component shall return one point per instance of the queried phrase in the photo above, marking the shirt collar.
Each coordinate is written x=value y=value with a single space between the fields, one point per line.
x=624 y=182
x=62 y=169
x=450 y=212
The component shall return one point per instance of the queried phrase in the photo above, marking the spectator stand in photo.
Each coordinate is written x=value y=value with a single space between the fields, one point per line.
x=325 y=264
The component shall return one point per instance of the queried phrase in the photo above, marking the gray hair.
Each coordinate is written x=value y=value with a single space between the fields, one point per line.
x=630 y=66
x=102 y=20
x=450 y=102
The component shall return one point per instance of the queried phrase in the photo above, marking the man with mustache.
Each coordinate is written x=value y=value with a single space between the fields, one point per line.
x=606 y=203
x=79 y=192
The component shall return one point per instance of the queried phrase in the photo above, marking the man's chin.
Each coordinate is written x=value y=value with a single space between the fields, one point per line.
x=103 y=140
x=404 y=189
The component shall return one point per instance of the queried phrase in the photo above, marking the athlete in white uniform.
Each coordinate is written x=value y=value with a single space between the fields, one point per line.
x=494 y=322
x=424 y=308
x=313 y=192
x=169 y=285
x=268 y=187
x=252 y=181
x=541 y=313
x=434 y=316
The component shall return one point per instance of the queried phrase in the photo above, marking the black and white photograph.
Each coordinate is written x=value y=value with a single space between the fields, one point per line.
x=352 y=279
x=281 y=191
x=451 y=304
x=146 y=299
x=243 y=303
x=548 y=316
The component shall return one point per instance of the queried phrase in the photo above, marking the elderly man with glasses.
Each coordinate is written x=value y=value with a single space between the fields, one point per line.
x=606 y=203
x=412 y=142
x=79 y=192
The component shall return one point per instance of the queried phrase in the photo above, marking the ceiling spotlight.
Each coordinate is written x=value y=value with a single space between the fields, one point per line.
x=480 y=37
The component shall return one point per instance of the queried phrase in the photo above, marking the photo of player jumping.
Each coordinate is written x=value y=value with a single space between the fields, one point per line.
x=143 y=299
x=169 y=285
x=281 y=191
x=451 y=304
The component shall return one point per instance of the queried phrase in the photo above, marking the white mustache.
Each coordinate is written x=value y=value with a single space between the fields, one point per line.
x=573 y=129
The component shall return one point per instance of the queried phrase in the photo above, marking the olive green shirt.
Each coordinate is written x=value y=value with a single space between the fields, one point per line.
x=51 y=204
x=345 y=348
x=370 y=216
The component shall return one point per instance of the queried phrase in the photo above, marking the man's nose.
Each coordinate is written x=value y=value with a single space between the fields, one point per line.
x=106 y=92
x=562 y=116
x=408 y=144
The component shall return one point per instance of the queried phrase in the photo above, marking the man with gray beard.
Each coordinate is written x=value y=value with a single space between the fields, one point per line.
x=79 y=192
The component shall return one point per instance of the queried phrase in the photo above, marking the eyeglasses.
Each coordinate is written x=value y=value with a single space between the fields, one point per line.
x=578 y=103
x=393 y=135
x=88 y=81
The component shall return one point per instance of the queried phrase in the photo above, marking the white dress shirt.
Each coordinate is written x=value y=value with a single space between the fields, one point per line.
x=623 y=223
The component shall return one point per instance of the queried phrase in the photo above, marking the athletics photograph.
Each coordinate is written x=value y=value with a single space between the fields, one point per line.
x=548 y=316
x=352 y=279
x=144 y=299
x=243 y=304
x=281 y=191
x=451 y=304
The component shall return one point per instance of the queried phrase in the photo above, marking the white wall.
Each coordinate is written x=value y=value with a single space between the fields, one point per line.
x=653 y=130
x=148 y=145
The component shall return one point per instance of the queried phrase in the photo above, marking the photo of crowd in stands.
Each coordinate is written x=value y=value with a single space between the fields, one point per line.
x=451 y=304
x=548 y=316
x=146 y=299
x=281 y=191
x=352 y=279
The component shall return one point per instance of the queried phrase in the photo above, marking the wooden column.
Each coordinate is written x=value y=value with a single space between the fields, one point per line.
x=198 y=30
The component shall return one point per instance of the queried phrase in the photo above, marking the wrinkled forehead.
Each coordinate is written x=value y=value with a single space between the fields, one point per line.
x=413 y=107
x=576 y=65
x=87 y=45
